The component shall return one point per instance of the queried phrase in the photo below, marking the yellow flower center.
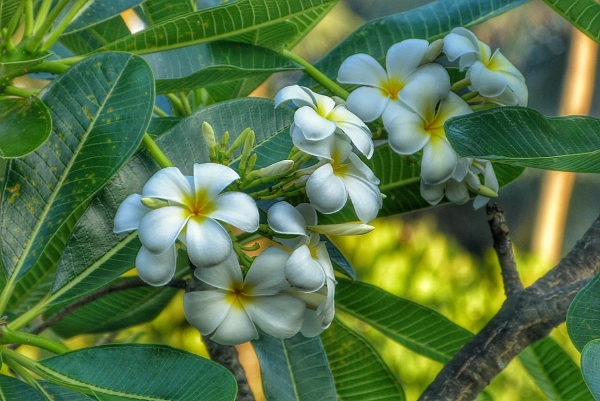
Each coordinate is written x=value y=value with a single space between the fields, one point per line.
x=200 y=206
x=236 y=297
x=392 y=88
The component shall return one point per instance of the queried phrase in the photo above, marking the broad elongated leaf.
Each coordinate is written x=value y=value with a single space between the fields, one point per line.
x=100 y=110
x=432 y=21
x=7 y=10
x=415 y=326
x=116 y=311
x=523 y=137
x=59 y=393
x=127 y=372
x=99 y=11
x=260 y=22
x=12 y=389
x=554 y=372
x=358 y=370
x=213 y=64
x=294 y=369
x=160 y=10
x=583 y=14
x=590 y=366
x=24 y=125
x=86 y=40
x=582 y=318
x=12 y=67
x=340 y=263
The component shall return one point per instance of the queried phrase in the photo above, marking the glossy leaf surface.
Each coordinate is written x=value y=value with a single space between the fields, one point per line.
x=24 y=125
x=590 y=366
x=12 y=389
x=583 y=14
x=582 y=319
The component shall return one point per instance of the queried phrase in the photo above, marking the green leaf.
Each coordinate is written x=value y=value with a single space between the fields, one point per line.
x=116 y=311
x=432 y=21
x=99 y=11
x=554 y=371
x=214 y=64
x=261 y=22
x=160 y=10
x=88 y=39
x=357 y=367
x=590 y=366
x=13 y=68
x=149 y=372
x=523 y=137
x=415 y=326
x=583 y=14
x=24 y=125
x=294 y=369
x=59 y=393
x=97 y=125
x=7 y=10
x=340 y=263
x=12 y=389
x=583 y=322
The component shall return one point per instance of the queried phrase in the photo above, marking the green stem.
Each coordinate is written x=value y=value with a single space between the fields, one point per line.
x=19 y=370
x=156 y=153
x=37 y=38
x=42 y=13
x=317 y=75
x=21 y=92
x=71 y=60
x=8 y=336
x=54 y=67
x=18 y=358
x=159 y=112
x=13 y=23
x=469 y=96
x=28 y=30
x=186 y=104
x=176 y=102
x=463 y=83
x=55 y=34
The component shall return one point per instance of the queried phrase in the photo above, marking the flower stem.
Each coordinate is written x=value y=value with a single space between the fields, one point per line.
x=463 y=83
x=21 y=92
x=54 y=67
x=8 y=336
x=37 y=38
x=55 y=34
x=156 y=152
x=41 y=14
x=159 y=112
x=317 y=75
x=28 y=30
x=18 y=358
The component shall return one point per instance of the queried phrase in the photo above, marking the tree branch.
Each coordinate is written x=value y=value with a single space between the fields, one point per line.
x=527 y=315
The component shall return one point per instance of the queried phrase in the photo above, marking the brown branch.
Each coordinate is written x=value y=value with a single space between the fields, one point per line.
x=527 y=316
x=503 y=247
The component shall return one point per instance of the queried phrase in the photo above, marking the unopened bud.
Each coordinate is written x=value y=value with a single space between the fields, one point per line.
x=433 y=51
x=487 y=192
x=239 y=141
x=211 y=142
x=154 y=203
x=341 y=229
x=273 y=170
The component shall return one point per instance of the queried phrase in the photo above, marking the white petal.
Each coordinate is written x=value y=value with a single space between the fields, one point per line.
x=451 y=106
x=207 y=242
x=308 y=213
x=323 y=257
x=226 y=275
x=325 y=191
x=491 y=181
x=279 y=315
x=168 y=184
x=461 y=42
x=425 y=88
x=360 y=137
x=284 y=218
x=237 y=209
x=367 y=102
x=362 y=69
x=313 y=125
x=303 y=272
x=365 y=197
x=236 y=328
x=266 y=275
x=480 y=201
x=160 y=227
x=457 y=192
x=129 y=214
x=488 y=83
x=322 y=148
x=404 y=57
x=519 y=88
x=439 y=161
x=360 y=170
x=407 y=133
x=312 y=325
x=300 y=97
x=205 y=310
x=212 y=178
x=432 y=193
x=462 y=167
x=328 y=304
x=156 y=269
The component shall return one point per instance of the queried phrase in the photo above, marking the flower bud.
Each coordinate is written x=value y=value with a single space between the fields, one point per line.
x=273 y=170
x=341 y=229
x=487 y=192
x=211 y=142
x=154 y=203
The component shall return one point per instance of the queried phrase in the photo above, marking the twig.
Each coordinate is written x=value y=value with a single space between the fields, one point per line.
x=503 y=247
x=527 y=316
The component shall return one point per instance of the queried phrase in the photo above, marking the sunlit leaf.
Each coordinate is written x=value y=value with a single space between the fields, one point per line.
x=590 y=366
x=12 y=389
x=554 y=371
x=127 y=372
x=583 y=323
x=583 y=14
x=88 y=39
x=523 y=137
x=99 y=11
x=415 y=326
x=357 y=367
x=24 y=125
x=294 y=369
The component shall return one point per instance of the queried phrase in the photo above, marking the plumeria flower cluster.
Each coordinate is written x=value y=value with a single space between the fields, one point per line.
x=414 y=97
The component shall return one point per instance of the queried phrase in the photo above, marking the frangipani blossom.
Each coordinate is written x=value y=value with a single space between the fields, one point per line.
x=400 y=84
x=465 y=179
x=492 y=75
x=330 y=185
x=422 y=127
x=320 y=117
x=174 y=206
x=229 y=310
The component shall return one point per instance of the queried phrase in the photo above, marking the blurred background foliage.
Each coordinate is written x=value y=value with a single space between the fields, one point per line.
x=442 y=257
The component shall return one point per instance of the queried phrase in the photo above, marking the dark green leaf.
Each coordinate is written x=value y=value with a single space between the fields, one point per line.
x=24 y=125
x=294 y=369
x=126 y=372
x=99 y=11
x=160 y=10
x=554 y=371
x=91 y=38
x=59 y=393
x=358 y=370
x=244 y=20
x=583 y=318
x=340 y=263
x=432 y=21
x=583 y=14
x=7 y=10
x=590 y=366
x=97 y=125
x=12 y=389
x=415 y=326
x=15 y=68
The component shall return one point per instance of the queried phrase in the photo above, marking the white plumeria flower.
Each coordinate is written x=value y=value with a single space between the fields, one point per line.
x=465 y=178
x=400 y=84
x=422 y=127
x=175 y=206
x=492 y=75
x=229 y=310
x=332 y=182
x=320 y=117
